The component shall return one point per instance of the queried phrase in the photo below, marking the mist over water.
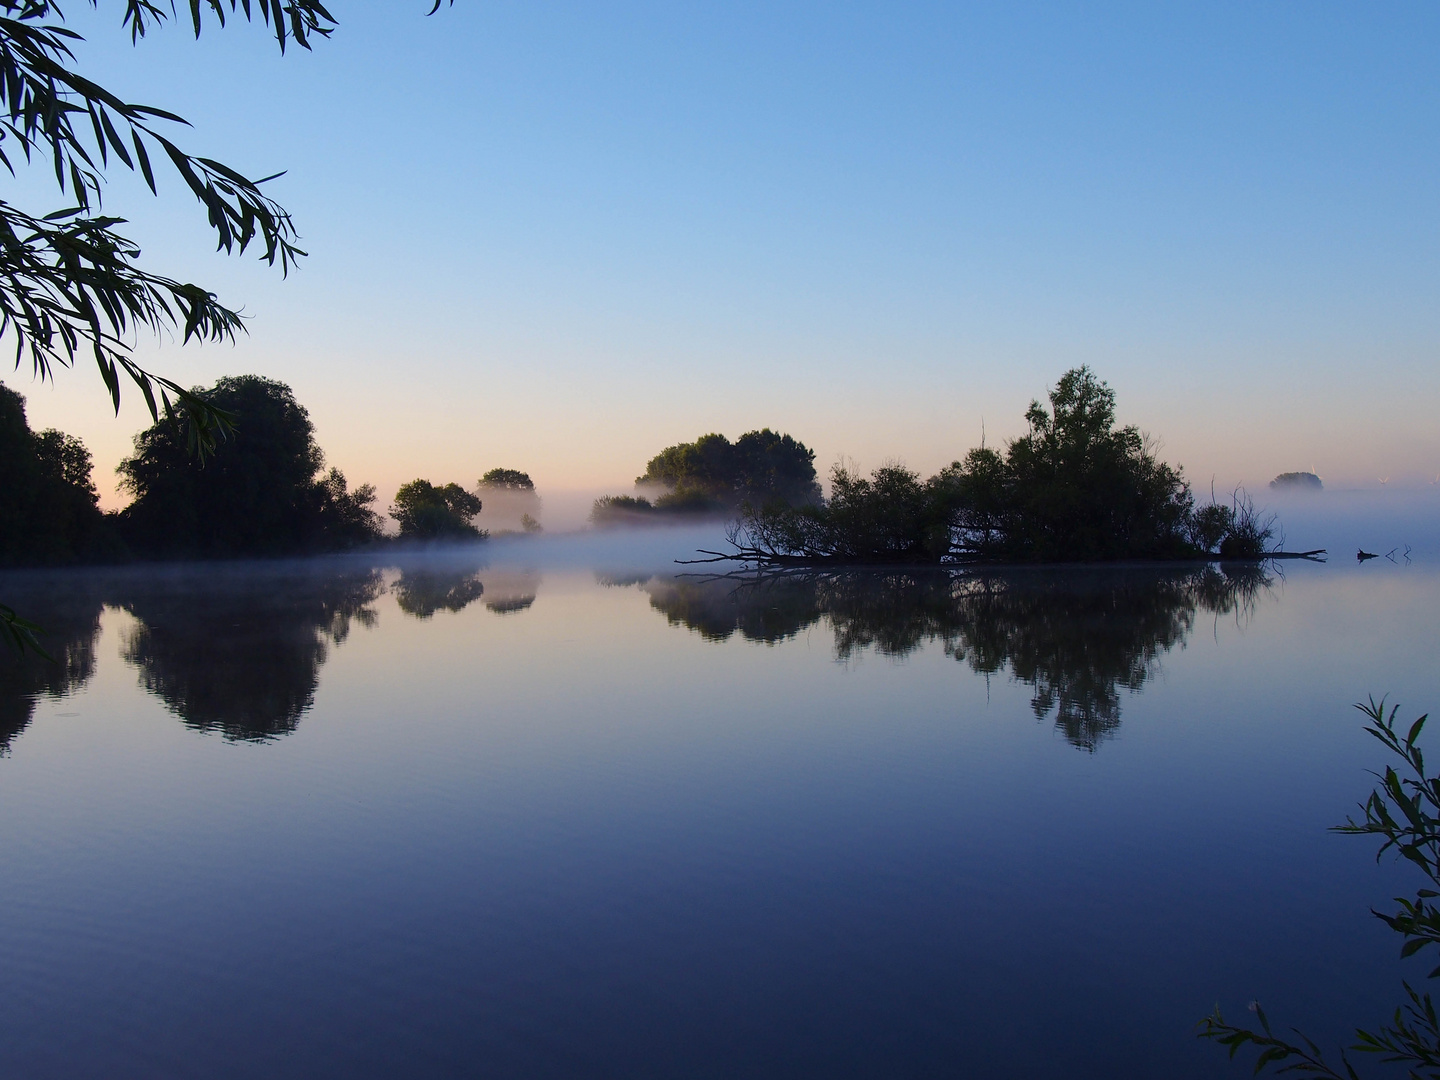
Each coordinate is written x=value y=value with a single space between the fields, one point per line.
x=555 y=805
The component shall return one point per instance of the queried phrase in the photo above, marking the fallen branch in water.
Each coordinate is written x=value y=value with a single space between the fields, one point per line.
x=745 y=553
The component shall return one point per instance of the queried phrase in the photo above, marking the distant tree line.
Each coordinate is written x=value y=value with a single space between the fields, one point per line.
x=713 y=476
x=262 y=491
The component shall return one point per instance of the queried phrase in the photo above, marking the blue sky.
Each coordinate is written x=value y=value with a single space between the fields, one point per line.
x=558 y=237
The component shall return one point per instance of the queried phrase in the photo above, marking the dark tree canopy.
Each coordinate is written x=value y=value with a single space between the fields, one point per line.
x=1074 y=488
x=507 y=480
x=426 y=511
x=49 y=511
x=260 y=493
x=714 y=473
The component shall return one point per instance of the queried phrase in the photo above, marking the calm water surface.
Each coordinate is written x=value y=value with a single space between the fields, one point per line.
x=440 y=818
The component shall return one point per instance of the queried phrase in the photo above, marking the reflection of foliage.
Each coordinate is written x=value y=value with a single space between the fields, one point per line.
x=510 y=604
x=1076 y=637
x=241 y=655
x=510 y=592
x=1404 y=813
x=70 y=614
x=768 y=609
x=424 y=592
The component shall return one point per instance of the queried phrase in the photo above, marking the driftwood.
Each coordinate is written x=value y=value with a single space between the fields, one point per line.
x=749 y=554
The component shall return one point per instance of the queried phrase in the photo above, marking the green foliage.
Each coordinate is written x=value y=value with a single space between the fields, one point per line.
x=530 y=525
x=259 y=494
x=19 y=633
x=612 y=510
x=713 y=473
x=343 y=518
x=49 y=510
x=428 y=512
x=1404 y=813
x=70 y=284
x=507 y=480
x=1075 y=488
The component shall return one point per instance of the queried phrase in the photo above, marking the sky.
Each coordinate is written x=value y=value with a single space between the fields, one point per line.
x=559 y=237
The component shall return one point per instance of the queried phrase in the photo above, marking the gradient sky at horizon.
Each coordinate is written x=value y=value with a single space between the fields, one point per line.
x=558 y=237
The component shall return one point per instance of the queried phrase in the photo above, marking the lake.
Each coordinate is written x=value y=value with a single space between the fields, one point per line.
x=565 y=810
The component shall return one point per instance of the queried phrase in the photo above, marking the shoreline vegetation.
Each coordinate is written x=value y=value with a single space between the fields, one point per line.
x=1076 y=488
x=262 y=492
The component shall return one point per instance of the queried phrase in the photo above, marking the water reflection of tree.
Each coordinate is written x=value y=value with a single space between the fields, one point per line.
x=241 y=653
x=768 y=609
x=1076 y=637
x=69 y=610
x=423 y=592
x=509 y=592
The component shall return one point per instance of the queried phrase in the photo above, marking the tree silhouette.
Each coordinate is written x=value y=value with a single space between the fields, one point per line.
x=426 y=511
x=49 y=510
x=260 y=493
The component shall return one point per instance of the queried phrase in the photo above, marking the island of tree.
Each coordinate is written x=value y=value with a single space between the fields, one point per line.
x=1074 y=488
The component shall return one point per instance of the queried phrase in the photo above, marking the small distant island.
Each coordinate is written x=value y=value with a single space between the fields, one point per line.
x=1297 y=481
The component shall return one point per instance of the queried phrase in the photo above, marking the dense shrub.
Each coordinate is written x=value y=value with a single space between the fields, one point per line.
x=260 y=493
x=1074 y=488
